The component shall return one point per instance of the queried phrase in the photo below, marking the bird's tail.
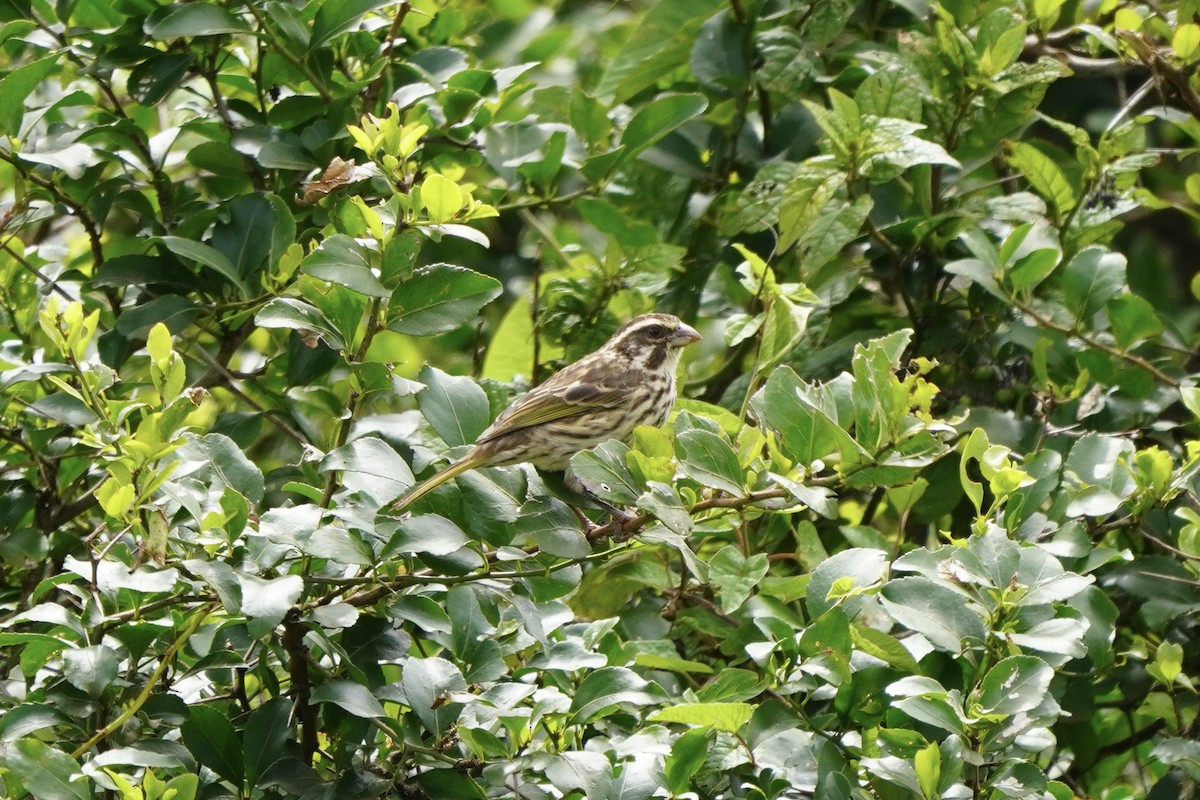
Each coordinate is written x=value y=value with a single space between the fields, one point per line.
x=421 y=489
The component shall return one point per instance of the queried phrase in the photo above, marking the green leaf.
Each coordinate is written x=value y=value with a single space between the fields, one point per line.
x=440 y=298
x=456 y=407
x=193 y=19
x=1093 y=277
x=1098 y=465
x=336 y=17
x=941 y=614
x=268 y=730
x=806 y=430
x=552 y=525
x=603 y=471
x=270 y=600
x=603 y=690
x=209 y=256
x=510 y=351
x=925 y=699
x=352 y=697
x=687 y=755
x=210 y=737
x=735 y=575
x=1013 y=685
x=247 y=235
x=91 y=669
x=1033 y=268
x=158 y=76
x=658 y=118
x=928 y=766
x=289 y=312
x=891 y=92
x=426 y=682
x=1132 y=319
x=46 y=772
x=883 y=646
x=426 y=533
x=28 y=718
x=1168 y=659
x=1046 y=177
x=227 y=463
x=441 y=197
x=223 y=580
x=664 y=40
x=863 y=566
x=370 y=465
x=708 y=459
x=16 y=86
x=342 y=260
x=64 y=408
x=580 y=770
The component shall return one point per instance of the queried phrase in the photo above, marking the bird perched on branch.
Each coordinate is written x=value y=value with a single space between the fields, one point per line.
x=630 y=381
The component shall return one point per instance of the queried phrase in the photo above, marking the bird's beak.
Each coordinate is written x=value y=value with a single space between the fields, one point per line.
x=684 y=335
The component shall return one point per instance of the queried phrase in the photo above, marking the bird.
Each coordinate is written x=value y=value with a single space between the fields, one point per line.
x=629 y=381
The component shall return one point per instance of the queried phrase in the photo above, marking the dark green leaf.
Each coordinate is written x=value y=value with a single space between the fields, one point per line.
x=16 y=86
x=288 y=312
x=352 y=697
x=1092 y=278
x=604 y=473
x=335 y=17
x=440 y=298
x=603 y=690
x=687 y=756
x=663 y=40
x=661 y=116
x=426 y=682
x=193 y=19
x=735 y=575
x=425 y=533
x=209 y=256
x=267 y=731
x=46 y=772
x=946 y=619
x=64 y=408
x=342 y=260
x=213 y=741
x=227 y=463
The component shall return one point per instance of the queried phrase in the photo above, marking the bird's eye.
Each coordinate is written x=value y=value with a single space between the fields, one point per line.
x=655 y=331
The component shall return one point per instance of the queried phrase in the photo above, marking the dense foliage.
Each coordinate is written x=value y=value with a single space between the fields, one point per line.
x=925 y=524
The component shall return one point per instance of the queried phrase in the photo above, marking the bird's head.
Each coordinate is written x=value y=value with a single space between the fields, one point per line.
x=653 y=339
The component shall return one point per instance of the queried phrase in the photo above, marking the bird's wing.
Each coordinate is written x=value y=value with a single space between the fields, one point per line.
x=556 y=400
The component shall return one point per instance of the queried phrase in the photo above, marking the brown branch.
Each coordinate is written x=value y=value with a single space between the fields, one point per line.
x=371 y=93
x=1136 y=361
x=621 y=529
x=1083 y=66
x=301 y=688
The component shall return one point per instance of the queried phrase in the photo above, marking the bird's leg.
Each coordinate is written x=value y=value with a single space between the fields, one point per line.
x=624 y=522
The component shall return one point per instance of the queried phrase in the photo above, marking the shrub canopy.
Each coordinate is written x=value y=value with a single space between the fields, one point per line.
x=924 y=525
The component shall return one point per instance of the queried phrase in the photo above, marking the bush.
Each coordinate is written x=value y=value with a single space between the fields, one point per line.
x=925 y=523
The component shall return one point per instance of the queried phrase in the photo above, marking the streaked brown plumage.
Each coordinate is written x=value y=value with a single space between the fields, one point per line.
x=630 y=381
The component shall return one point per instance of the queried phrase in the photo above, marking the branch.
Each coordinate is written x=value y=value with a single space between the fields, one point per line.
x=621 y=529
x=1136 y=361
x=147 y=690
